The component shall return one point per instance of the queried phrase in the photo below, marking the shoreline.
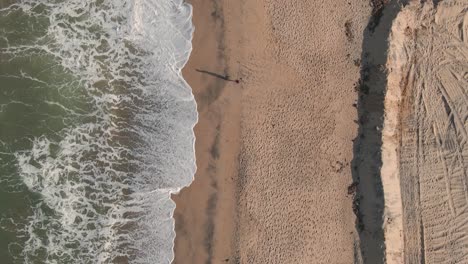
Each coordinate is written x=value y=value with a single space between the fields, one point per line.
x=205 y=210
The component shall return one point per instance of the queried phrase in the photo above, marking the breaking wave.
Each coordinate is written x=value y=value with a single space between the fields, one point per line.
x=111 y=130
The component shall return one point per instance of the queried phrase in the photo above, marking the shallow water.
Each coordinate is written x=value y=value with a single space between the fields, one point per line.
x=96 y=129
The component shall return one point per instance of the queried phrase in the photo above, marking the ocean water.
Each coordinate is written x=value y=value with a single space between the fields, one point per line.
x=96 y=129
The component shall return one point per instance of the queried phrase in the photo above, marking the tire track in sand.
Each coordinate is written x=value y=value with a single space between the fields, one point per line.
x=428 y=69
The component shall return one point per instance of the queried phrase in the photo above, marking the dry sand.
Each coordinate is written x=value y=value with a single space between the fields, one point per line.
x=274 y=151
x=297 y=128
x=427 y=95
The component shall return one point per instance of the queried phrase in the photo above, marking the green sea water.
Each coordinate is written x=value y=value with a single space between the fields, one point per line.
x=37 y=99
x=95 y=130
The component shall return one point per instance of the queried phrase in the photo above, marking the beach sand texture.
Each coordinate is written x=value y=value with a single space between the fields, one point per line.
x=297 y=127
x=206 y=211
x=285 y=160
x=427 y=92
x=274 y=151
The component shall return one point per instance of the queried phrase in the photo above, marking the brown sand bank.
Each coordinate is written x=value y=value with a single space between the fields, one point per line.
x=273 y=151
x=427 y=95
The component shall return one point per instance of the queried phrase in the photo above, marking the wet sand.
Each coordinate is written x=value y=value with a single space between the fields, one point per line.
x=206 y=211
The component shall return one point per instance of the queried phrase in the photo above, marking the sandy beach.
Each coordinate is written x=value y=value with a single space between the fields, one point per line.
x=273 y=151
x=330 y=132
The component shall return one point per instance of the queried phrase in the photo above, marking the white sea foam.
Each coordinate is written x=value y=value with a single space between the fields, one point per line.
x=105 y=182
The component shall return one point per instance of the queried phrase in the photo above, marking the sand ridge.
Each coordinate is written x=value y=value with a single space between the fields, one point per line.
x=397 y=65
